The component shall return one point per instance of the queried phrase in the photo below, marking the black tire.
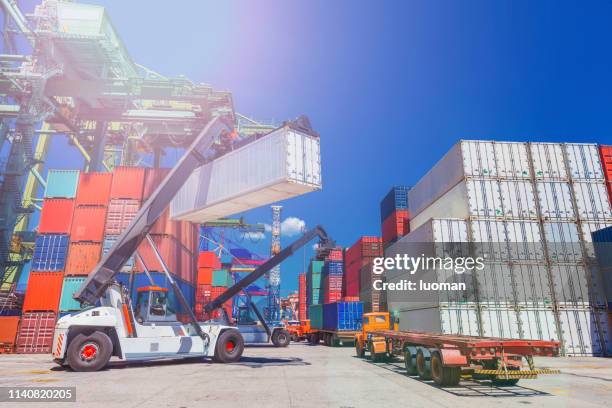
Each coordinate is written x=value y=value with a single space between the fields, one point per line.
x=423 y=365
x=443 y=376
x=281 y=338
x=89 y=352
x=294 y=338
x=503 y=382
x=410 y=363
x=314 y=338
x=229 y=348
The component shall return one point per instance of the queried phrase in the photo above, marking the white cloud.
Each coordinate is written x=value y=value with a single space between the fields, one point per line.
x=292 y=226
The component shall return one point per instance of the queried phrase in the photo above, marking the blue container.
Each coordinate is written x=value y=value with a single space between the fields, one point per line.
x=109 y=241
x=241 y=253
x=62 y=184
x=602 y=241
x=333 y=268
x=159 y=279
x=396 y=199
x=50 y=252
x=343 y=316
x=10 y=312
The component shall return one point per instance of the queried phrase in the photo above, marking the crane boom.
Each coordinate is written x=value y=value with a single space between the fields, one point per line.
x=269 y=264
x=201 y=151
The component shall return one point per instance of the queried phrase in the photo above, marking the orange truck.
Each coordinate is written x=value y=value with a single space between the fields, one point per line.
x=298 y=330
x=446 y=358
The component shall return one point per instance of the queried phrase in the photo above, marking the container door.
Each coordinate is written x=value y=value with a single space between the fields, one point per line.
x=538 y=324
x=592 y=201
x=584 y=162
x=563 y=241
x=512 y=160
x=524 y=240
x=555 y=200
x=518 y=199
x=548 y=161
x=484 y=199
x=478 y=158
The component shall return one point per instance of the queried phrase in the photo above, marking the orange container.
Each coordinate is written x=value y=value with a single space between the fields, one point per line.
x=43 y=291
x=88 y=224
x=169 y=249
x=188 y=265
x=94 y=188
x=8 y=329
x=606 y=161
x=82 y=258
x=119 y=215
x=56 y=216
x=152 y=180
x=208 y=259
x=165 y=226
x=204 y=276
x=128 y=182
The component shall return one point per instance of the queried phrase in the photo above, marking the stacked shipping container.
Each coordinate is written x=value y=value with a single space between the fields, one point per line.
x=302 y=302
x=531 y=208
x=358 y=272
x=394 y=216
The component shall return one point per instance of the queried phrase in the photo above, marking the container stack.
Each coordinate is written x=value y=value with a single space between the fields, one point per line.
x=394 y=215
x=605 y=153
x=51 y=249
x=602 y=241
x=207 y=262
x=331 y=281
x=358 y=275
x=313 y=282
x=302 y=303
x=529 y=208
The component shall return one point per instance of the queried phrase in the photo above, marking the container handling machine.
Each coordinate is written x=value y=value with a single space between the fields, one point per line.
x=85 y=341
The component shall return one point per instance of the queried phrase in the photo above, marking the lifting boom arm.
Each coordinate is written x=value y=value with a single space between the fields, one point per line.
x=268 y=265
x=201 y=151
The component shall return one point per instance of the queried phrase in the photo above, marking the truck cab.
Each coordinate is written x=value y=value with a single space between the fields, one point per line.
x=372 y=322
x=298 y=329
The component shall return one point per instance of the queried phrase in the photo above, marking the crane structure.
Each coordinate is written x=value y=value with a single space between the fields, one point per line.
x=272 y=310
x=65 y=72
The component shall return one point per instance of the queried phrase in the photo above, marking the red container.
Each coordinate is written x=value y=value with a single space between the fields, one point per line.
x=204 y=276
x=350 y=299
x=203 y=293
x=395 y=226
x=152 y=180
x=335 y=255
x=43 y=291
x=88 y=224
x=164 y=225
x=208 y=259
x=94 y=188
x=36 y=332
x=56 y=216
x=120 y=213
x=82 y=258
x=606 y=161
x=128 y=182
x=8 y=332
x=178 y=259
x=361 y=253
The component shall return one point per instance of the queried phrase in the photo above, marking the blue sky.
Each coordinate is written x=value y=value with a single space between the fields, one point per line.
x=390 y=85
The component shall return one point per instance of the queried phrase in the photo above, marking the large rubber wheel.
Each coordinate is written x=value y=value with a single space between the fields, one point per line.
x=89 y=352
x=410 y=362
x=281 y=338
x=294 y=338
x=314 y=338
x=359 y=351
x=443 y=376
x=229 y=348
x=503 y=382
x=423 y=364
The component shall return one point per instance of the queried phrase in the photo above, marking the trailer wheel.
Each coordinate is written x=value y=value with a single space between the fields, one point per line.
x=314 y=338
x=360 y=351
x=229 y=348
x=89 y=352
x=410 y=360
x=443 y=376
x=294 y=338
x=503 y=382
x=423 y=363
x=280 y=338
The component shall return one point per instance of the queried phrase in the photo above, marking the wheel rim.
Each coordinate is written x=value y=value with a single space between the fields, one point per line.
x=420 y=363
x=89 y=352
x=230 y=346
x=436 y=368
x=282 y=338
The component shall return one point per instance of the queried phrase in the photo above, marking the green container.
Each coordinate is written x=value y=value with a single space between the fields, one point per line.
x=71 y=284
x=315 y=314
x=315 y=280
x=62 y=183
x=314 y=296
x=316 y=266
x=222 y=277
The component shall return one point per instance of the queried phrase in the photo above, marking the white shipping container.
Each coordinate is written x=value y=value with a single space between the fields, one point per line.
x=555 y=199
x=490 y=239
x=524 y=240
x=592 y=201
x=494 y=283
x=502 y=322
x=585 y=332
x=548 y=161
x=584 y=161
x=571 y=285
x=512 y=160
x=467 y=158
x=518 y=199
x=278 y=166
x=445 y=320
x=562 y=241
x=532 y=285
x=538 y=324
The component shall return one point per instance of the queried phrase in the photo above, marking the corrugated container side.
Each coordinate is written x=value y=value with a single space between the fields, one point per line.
x=592 y=201
x=36 y=332
x=61 y=183
x=152 y=180
x=548 y=160
x=208 y=259
x=94 y=188
x=88 y=224
x=555 y=199
x=128 y=182
x=83 y=257
x=8 y=330
x=50 y=252
x=512 y=160
x=584 y=332
x=221 y=277
x=43 y=292
x=170 y=250
x=395 y=226
x=396 y=199
x=56 y=216
x=315 y=314
x=499 y=321
x=109 y=241
x=606 y=161
x=583 y=161
x=343 y=316
x=71 y=285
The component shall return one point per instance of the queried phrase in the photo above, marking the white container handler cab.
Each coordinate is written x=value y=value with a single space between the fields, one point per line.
x=85 y=341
